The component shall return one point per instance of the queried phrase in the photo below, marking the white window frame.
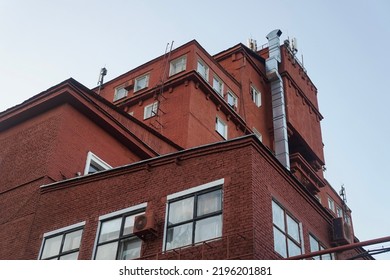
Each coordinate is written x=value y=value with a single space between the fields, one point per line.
x=231 y=95
x=339 y=212
x=204 y=68
x=189 y=192
x=256 y=96
x=221 y=127
x=331 y=204
x=178 y=65
x=117 y=96
x=136 y=209
x=138 y=79
x=150 y=110
x=95 y=160
x=218 y=85
x=61 y=231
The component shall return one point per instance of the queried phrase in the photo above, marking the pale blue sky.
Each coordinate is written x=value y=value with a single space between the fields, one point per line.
x=343 y=43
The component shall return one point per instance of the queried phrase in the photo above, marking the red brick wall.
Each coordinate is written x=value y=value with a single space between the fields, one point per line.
x=251 y=180
x=77 y=135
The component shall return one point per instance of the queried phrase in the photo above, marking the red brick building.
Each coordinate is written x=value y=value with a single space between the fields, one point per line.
x=187 y=156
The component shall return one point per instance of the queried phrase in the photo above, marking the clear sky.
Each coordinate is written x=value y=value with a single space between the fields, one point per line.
x=343 y=43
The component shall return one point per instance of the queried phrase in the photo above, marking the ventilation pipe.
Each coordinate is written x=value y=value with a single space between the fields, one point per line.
x=278 y=101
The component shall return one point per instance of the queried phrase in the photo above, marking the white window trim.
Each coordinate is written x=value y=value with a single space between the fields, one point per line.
x=258 y=100
x=184 y=193
x=154 y=105
x=174 y=61
x=235 y=105
x=206 y=67
x=331 y=204
x=112 y=215
x=220 y=83
x=58 y=231
x=225 y=134
x=116 y=90
x=91 y=157
x=136 y=81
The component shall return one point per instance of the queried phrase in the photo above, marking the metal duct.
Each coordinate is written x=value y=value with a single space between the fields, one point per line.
x=278 y=101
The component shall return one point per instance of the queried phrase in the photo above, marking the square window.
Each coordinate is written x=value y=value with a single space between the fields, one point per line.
x=218 y=85
x=150 y=110
x=181 y=210
x=141 y=82
x=62 y=244
x=193 y=218
x=203 y=70
x=115 y=240
x=221 y=127
x=256 y=96
x=120 y=92
x=177 y=65
x=232 y=100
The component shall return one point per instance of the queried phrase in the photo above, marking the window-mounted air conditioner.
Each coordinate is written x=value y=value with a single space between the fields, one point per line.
x=342 y=232
x=145 y=225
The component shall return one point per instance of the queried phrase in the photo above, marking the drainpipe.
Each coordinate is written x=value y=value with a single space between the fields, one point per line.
x=278 y=101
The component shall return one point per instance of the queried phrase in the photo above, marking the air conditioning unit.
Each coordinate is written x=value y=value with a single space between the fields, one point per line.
x=145 y=226
x=342 y=232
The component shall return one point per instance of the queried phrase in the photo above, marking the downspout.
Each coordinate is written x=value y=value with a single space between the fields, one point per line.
x=278 y=101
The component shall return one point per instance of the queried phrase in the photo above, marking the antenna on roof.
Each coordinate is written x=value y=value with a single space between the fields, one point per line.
x=103 y=72
x=343 y=194
x=252 y=44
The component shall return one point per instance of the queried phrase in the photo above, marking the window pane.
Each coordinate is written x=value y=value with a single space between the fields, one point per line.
x=179 y=236
x=221 y=127
x=293 y=229
x=130 y=249
x=110 y=230
x=202 y=70
x=107 y=251
x=218 y=86
x=209 y=202
x=181 y=210
x=293 y=249
x=232 y=100
x=72 y=240
x=326 y=257
x=73 y=256
x=280 y=242
x=208 y=228
x=129 y=224
x=120 y=93
x=141 y=82
x=314 y=246
x=278 y=216
x=178 y=65
x=52 y=246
